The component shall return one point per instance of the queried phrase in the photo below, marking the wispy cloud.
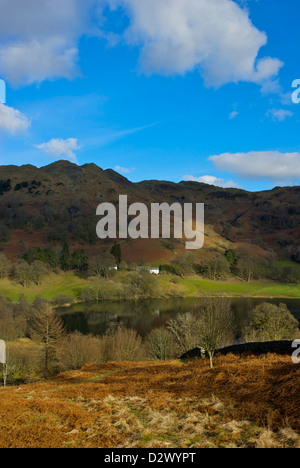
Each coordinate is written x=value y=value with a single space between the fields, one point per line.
x=212 y=180
x=107 y=137
x=58 y=148
x=233 y=115
x=123 y=170
x=279 y=115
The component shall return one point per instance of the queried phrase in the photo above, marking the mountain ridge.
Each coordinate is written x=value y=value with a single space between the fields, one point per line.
x=59 y=202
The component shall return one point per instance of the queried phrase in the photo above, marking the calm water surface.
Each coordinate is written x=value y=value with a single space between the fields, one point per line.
x=145 y=315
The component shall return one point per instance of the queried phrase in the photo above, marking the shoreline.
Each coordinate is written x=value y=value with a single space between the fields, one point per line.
x=72 y=286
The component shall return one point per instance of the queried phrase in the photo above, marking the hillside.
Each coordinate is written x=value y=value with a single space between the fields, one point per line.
x=243 y=402
x=58 y=202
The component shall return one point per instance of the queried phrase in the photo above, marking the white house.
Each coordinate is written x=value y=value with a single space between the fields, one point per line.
x=152 y=270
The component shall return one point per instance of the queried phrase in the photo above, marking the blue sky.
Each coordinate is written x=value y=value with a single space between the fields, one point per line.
x=155 y=89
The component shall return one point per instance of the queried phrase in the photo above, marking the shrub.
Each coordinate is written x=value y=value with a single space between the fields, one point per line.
x=269 y=322
x=78 y=350
x=62 y=299
x=160 y=345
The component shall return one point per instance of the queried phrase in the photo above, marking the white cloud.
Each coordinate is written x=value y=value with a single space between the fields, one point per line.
x=273 y=165
x=211 y=180
x=122 y=170
x=280 y=114
x=39 y=40
x=233 y=115
x=12 y=120
x=214 y=36
x=34 y=62
x=59 y=148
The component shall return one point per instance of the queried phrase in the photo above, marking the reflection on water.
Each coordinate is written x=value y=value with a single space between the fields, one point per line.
x=145 y=315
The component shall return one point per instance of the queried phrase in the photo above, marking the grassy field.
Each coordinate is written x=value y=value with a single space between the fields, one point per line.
x=72 y=285
x=63 y=283
x=195 y=287
x=245 y=402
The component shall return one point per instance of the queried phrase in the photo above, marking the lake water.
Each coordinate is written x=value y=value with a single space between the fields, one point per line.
x=143 y=316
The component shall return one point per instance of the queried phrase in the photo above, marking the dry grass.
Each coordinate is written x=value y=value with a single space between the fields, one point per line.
x=243 y=402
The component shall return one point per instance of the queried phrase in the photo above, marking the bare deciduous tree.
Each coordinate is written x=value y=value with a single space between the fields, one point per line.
x=216 y=322
x=208 y=327
x=21 y=273
x=101 y=265
x=186 y=331
x=247 y=263
x=218 y=268
x=126 y=345
x=38 y=270
x=160 y=344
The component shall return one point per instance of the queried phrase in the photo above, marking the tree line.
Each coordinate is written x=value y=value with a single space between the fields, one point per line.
x=36 y=263
x=240 y=263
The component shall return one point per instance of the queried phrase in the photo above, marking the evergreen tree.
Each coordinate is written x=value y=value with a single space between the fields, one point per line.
x=49 y=331
x=232 y=257
x=117 y=253
x=65 y=257
x=79 y=260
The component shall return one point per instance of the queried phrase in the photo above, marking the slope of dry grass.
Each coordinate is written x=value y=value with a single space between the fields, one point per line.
x=243 y=402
